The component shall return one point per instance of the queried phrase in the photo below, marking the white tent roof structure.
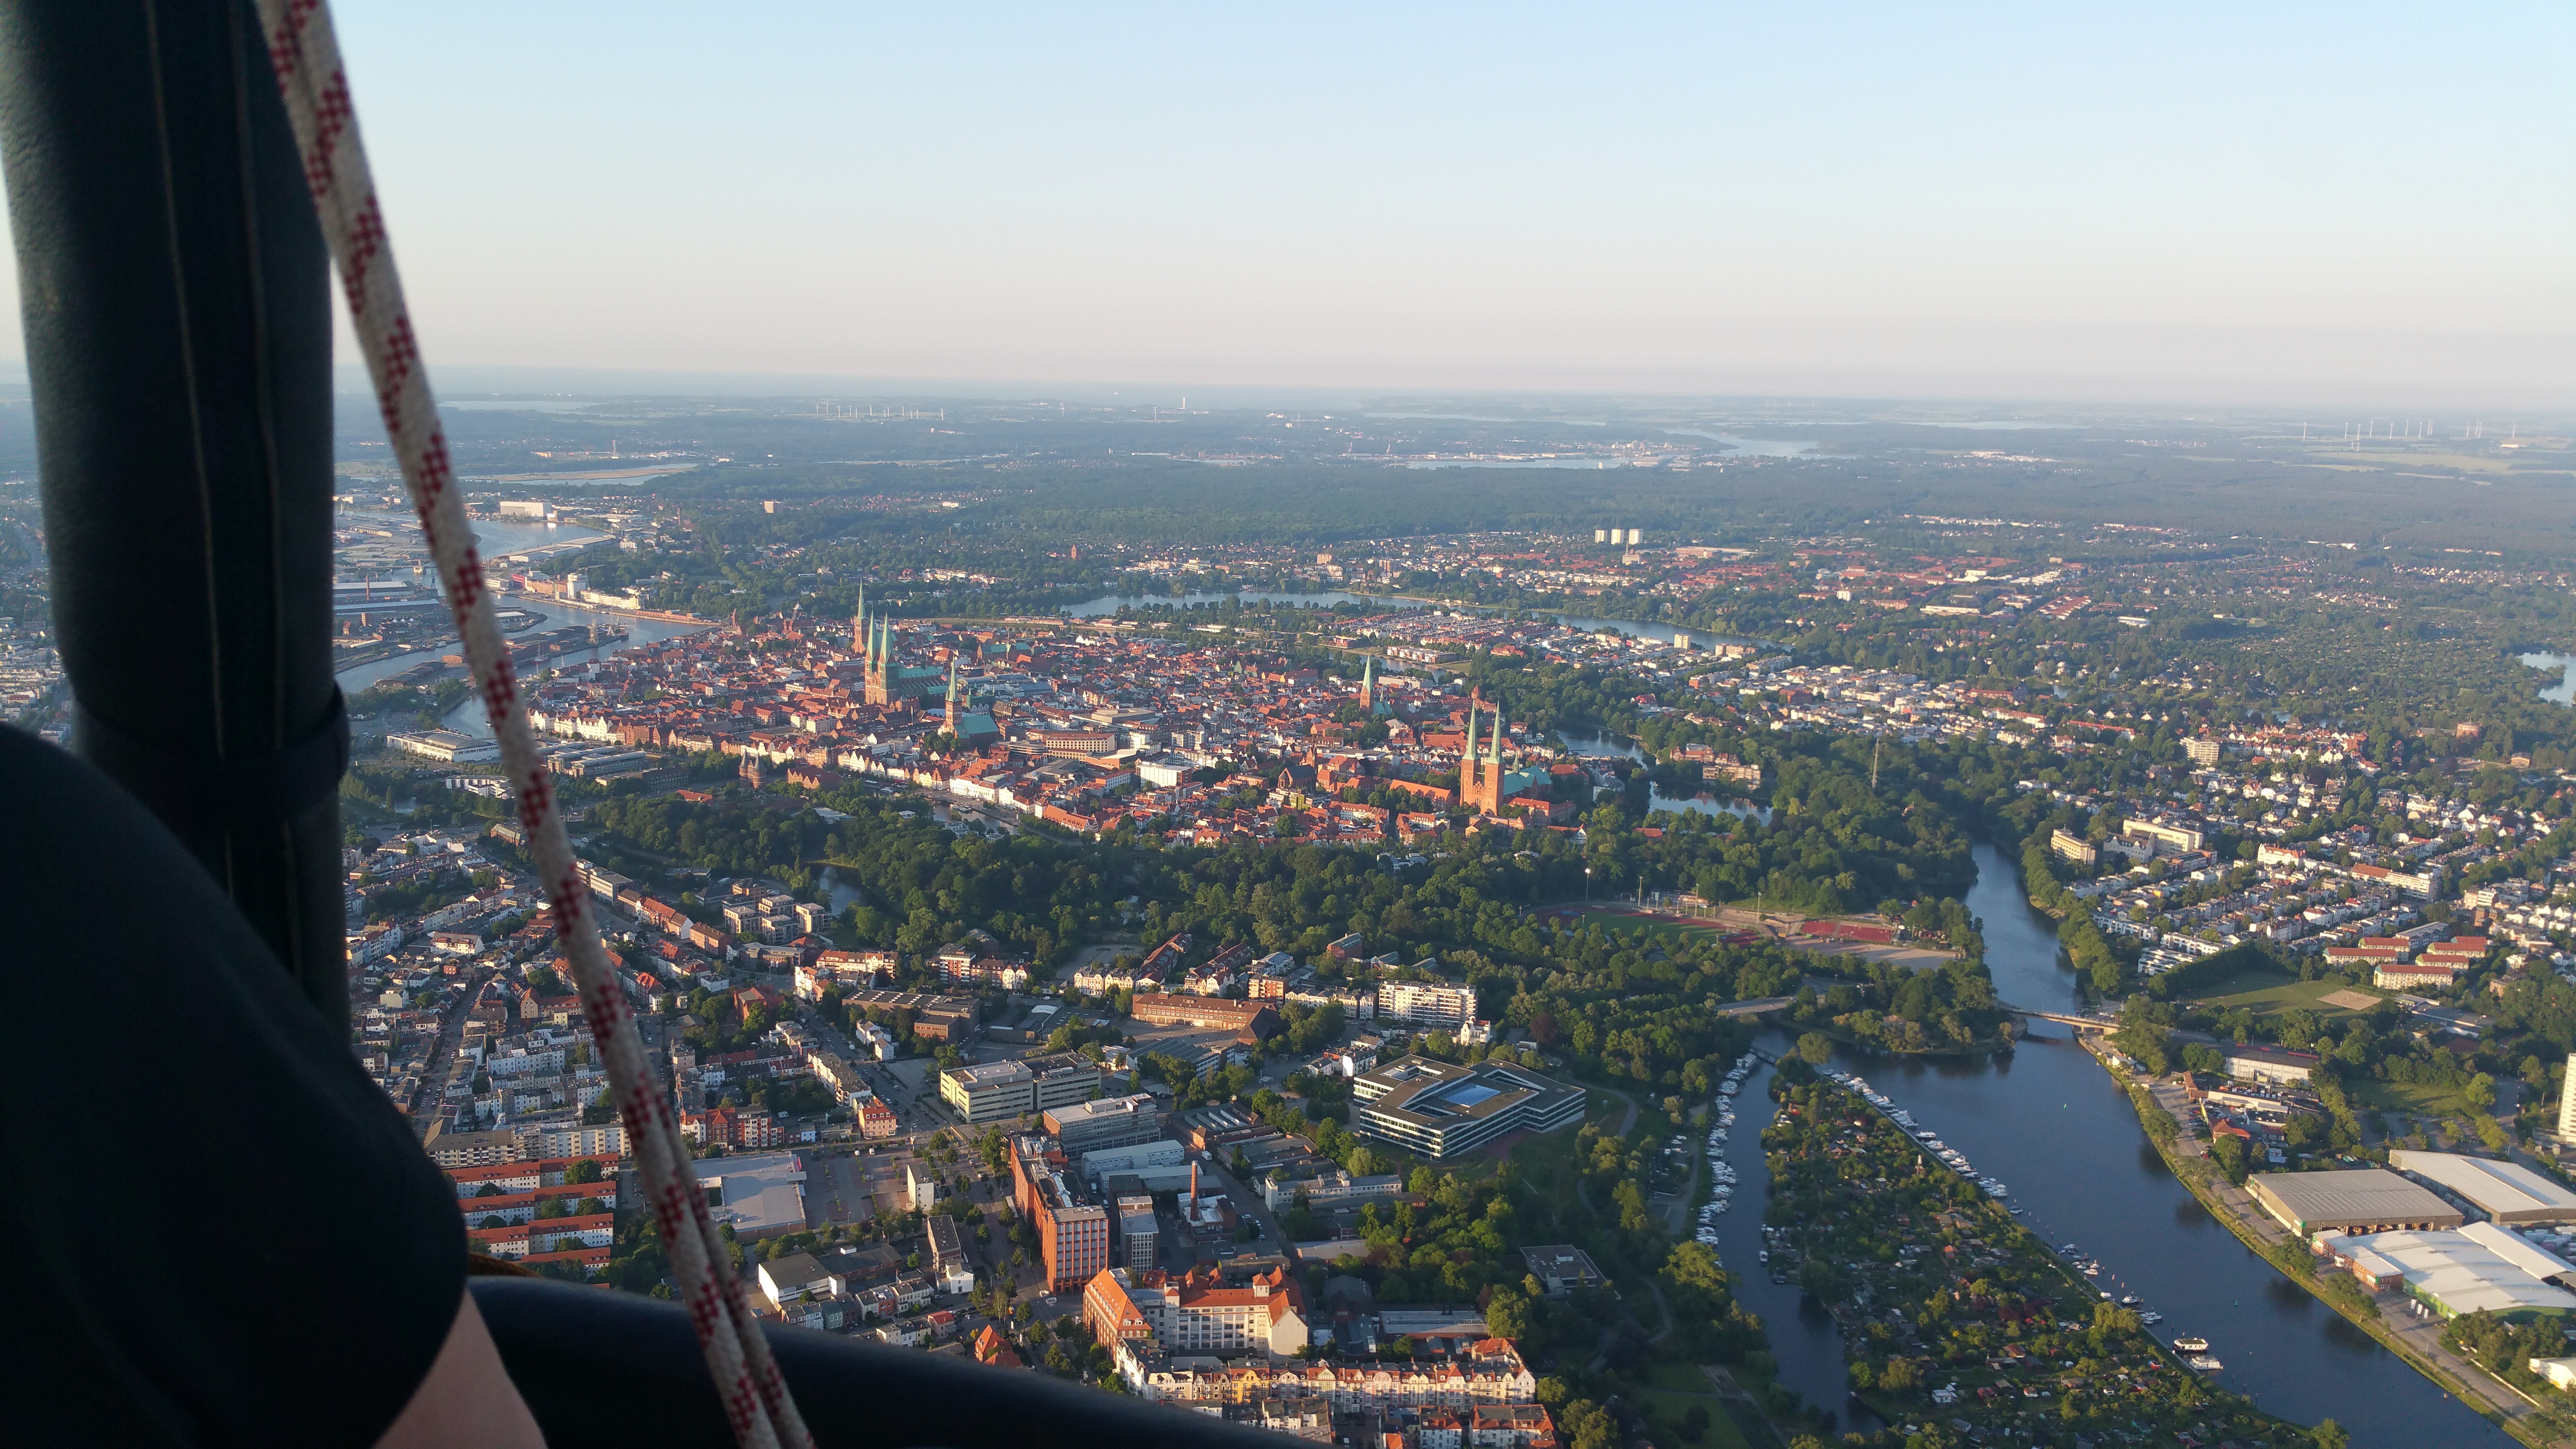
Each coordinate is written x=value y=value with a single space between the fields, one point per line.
x=2465 y=1269
x=2505 y=1191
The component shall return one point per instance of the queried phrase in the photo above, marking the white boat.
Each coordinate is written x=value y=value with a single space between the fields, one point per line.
x=2191 y=1343
x=2205 y=1363
x=2151 y=1318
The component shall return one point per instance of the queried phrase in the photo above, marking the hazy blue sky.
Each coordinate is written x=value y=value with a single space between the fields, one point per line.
x=2329 y=203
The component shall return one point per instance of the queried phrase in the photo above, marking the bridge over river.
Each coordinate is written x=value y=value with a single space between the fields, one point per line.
x=2094 y=1020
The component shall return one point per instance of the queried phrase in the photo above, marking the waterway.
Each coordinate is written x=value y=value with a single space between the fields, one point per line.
x=499 y=540
x=1219 y=598
x=1751 y=447
x=1327 y=598
x=2564 y=691
x=1588 y=464
x=2050 y=1122
x=1656 y=799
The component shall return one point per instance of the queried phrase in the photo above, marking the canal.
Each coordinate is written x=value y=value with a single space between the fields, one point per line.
x=2051 y=1123
x=500 y=540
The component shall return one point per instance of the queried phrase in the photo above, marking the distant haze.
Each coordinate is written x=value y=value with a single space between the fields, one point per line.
x=2330 y=205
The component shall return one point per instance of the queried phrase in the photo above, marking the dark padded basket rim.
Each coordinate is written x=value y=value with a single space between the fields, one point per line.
x=602 y=1368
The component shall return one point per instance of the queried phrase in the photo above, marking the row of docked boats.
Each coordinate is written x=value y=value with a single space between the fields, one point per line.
x=1721 y=1172
x=1949 y=1157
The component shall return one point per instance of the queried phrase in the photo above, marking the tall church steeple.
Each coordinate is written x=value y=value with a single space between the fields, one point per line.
x=1480 y=769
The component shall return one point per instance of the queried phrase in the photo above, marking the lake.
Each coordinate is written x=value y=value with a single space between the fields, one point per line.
x=1589 y=463
x=1656 y=799
x=1688 y=637
x=2051 y=1123
x=2564 y=691
x=1751 y=447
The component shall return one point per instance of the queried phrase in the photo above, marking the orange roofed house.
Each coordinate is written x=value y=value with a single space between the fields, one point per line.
x=1196 y=1312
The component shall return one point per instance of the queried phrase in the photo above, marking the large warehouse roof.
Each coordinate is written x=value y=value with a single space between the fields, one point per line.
x=2480 y=1266
x=2366 y=1197
x=2505 y=1191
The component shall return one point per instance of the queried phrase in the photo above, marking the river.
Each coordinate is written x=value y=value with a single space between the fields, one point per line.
x=1327 y=598
x=500 y=540
x=2049 y=1121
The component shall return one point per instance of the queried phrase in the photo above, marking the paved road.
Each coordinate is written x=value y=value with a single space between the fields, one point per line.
x=1628 y=1123
x=425 y=1102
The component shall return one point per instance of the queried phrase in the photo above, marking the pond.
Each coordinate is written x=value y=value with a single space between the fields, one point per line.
x=1701 y=804
x=2564 y=691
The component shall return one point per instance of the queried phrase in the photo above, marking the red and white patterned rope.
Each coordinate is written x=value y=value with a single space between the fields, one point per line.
x=306 y=55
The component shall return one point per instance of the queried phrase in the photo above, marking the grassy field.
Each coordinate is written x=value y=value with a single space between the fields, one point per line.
x=2461 y=462
x=2269 y=993
x=1662 y=926
x=1667 y=1407
x=2424 y=1099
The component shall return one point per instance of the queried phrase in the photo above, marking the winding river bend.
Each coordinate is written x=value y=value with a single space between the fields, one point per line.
x=2049 y=1121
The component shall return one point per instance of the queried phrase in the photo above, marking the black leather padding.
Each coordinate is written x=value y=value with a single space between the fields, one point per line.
x=274 y=788
x=175 y=300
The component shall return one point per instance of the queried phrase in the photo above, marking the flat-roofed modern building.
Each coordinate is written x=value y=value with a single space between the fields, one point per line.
x=1561 y=1268
x=1162 y=1163
x=445 y=745
x=2268 y=1064
x=1110 y=1122
x=2169 y=839
x=2567 y=1104
x=1205 y=1012
x=1426 y=1003
x=1139 y=1233
x=2505 y=1191
x=2353 y=1200
x=1435 y=1109
x=758 y=1197
x=987 y=1093
x=1000 y=1090
x=2481 y=1267
x=1073 y=1235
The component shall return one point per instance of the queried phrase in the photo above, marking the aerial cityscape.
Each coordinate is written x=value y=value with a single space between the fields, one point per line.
x=1271 y=958
x=1369 y=752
